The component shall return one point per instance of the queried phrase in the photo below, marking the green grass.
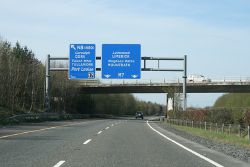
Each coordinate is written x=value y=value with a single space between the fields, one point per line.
x=217 y=136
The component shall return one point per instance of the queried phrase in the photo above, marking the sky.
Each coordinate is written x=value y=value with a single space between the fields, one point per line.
x=214 y=34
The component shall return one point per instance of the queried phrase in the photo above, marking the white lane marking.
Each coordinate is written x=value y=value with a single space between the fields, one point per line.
x=187 y=149
x=107 y=128
x=59 y=163
x=99 y=132
x=87 y=141
x=112 y=125
x=32 y=131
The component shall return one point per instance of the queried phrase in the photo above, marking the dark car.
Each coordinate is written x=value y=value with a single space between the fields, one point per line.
x=139 y=115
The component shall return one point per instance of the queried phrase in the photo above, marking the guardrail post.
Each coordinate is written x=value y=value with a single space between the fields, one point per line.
x=229 y=129
x=210 y=128
x=239 y=131
x=222 y=128
x=216 y=125
x=192 y=124
x=205 y=126
x=248 y=132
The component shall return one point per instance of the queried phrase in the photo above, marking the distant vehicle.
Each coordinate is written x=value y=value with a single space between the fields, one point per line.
x=139 y=115
x=197 y=79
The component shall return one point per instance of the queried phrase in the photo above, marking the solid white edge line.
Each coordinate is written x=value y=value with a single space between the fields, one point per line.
x=99 y=132
x=187 y=149
x=87 y=141
x=59 y=163
x=107 y=128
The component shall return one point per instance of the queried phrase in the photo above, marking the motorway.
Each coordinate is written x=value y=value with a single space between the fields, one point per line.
x=103 y=143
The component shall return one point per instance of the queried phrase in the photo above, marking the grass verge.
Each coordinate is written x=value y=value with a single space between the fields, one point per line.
x=217 y=136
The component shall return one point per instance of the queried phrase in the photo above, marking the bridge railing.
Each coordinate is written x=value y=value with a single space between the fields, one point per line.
x=141 y=82
x=164 y=81
x=231 y=79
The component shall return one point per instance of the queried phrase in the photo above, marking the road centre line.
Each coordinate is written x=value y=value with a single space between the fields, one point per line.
x=187 y=149
x=87 y=141
x=99 y=132
x=112 y=125
x=59 y=163
x=38 y=130
x=107 y=128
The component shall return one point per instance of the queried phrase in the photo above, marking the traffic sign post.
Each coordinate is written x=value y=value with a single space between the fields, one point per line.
x=121 y=61
x=82 y=61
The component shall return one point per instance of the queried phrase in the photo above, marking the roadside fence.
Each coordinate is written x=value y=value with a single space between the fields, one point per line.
x=239 y=130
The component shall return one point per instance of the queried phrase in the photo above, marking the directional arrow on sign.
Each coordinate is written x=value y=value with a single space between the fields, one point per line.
x=107 y=76
x=134 y=76
x=72 y=47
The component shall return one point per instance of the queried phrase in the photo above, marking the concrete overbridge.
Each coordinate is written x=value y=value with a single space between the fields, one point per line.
x=241 y=85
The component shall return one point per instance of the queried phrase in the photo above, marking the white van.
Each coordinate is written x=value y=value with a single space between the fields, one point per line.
x=197 y=79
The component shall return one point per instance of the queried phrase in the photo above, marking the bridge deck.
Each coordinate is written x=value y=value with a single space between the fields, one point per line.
x=211 y=87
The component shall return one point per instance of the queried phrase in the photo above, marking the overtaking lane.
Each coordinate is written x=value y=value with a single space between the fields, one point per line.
x=44 y=148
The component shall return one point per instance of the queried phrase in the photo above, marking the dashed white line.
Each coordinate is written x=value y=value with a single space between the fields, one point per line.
x=87 y=141
x=187 y=149
x=59 y=163
x=112 y=125
x=107 y=128
x=99 y=132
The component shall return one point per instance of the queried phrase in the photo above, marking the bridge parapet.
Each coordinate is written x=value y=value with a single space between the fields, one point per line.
x=165 y=82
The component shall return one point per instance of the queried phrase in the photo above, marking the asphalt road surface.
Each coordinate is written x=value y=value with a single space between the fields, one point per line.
x=103 y=143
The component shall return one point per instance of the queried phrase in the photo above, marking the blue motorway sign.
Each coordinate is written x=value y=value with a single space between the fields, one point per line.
x=121 y=61
x=82 y=61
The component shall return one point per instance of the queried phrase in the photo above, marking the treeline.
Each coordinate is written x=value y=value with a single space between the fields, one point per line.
x=149 y=108
x=232 y=108
x=22 y=83
x=215 y=115
x=232 y=100
x=67 y=98
x=21 y=79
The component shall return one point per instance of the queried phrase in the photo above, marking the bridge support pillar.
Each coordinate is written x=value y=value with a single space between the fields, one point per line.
x=170 y=102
